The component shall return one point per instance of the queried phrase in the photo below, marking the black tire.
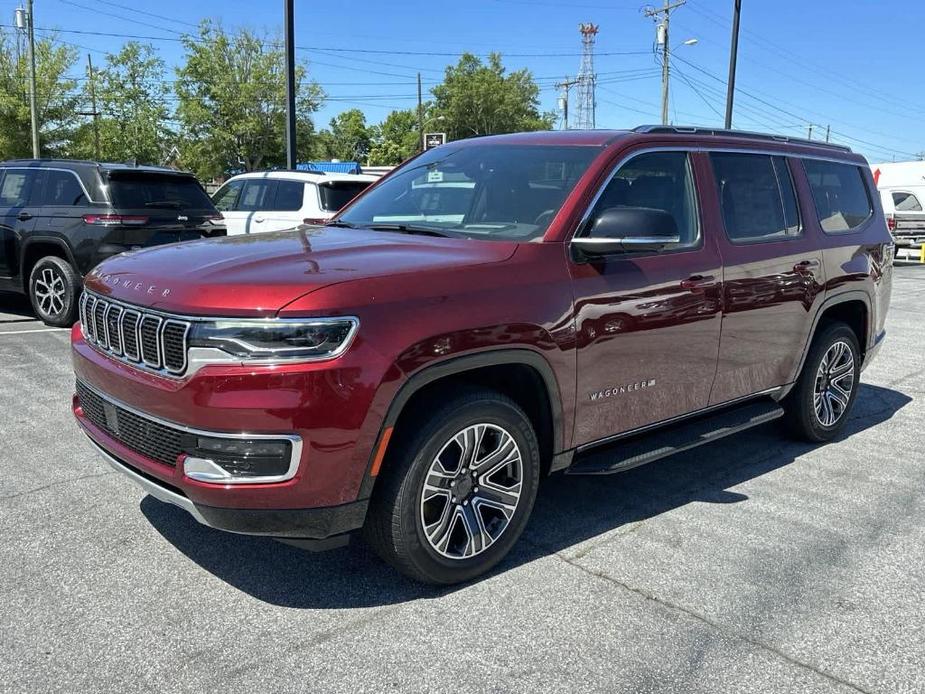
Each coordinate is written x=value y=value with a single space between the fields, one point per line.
x=54 y=288
x=801 y=414
x=395 y=523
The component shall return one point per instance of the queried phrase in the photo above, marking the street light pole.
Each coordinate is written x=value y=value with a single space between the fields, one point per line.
x=289 y=30
x=733 y=55
x=33 y=104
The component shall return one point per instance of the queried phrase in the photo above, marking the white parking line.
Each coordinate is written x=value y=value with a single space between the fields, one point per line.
x=41 y=330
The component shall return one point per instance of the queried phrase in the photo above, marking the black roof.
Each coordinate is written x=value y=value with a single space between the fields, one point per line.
x=745 y=134
x=78 y=164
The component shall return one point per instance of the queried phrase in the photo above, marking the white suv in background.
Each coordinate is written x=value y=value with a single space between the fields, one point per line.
x=276 y=200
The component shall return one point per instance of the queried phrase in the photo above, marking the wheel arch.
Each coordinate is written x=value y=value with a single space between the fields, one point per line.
x=486 y=369
x=852 y=308
x=35 y=248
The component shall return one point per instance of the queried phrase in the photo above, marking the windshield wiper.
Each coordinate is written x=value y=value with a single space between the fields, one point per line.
x=339 y=223
x=410 y=229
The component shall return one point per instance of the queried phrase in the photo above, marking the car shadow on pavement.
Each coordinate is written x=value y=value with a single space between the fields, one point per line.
x=15 y=308
x=568 y=511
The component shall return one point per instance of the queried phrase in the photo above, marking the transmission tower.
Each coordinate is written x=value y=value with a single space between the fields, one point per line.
x=585 y=117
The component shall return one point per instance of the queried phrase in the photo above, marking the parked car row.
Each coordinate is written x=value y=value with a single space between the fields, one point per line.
x=60 y=218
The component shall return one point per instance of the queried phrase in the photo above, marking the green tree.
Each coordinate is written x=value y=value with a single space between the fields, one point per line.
x=56 y=95
x=131 y=95
x=232 y=101
x=484 y=99
x=395 y=139
x=348 y=139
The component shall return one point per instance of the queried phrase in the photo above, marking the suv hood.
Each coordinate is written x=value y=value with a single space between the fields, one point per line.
x=259 y=274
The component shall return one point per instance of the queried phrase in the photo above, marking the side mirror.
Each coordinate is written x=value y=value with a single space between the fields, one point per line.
x=628 y=230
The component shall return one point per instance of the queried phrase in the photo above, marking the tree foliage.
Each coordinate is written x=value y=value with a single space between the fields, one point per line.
x=232 y=101
x=395 y=139
x=484 y=99
x=348 y=138
x=131 y=95
x=56 y=96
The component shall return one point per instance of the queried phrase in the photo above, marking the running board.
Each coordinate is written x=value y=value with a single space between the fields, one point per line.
x=663 y=442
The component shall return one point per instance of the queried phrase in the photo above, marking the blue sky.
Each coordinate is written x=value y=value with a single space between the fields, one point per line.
x=847 y=65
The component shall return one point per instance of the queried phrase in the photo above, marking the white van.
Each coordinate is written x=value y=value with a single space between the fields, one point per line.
x=276 y=200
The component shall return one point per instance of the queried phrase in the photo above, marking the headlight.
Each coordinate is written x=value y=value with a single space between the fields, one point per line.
x=281 y=339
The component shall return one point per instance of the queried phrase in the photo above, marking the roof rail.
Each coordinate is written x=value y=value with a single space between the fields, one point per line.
x=745 y=134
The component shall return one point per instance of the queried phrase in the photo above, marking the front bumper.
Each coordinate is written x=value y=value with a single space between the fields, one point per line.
x=316 y=528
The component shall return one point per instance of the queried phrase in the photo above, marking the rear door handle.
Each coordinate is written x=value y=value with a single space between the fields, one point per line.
x=806 y=266
x=698 y=281
x=24 y=216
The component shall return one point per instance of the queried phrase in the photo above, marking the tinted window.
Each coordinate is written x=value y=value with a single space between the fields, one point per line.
x=256 y=196
x=143 y=190
x=661 y=181
x=16 y=187
x=906 y=202
x=488 y=191
x=61 y=188
x=839 y=193
x=226 y=196
x=289 y=196
x=336 y=194
x=757 y=198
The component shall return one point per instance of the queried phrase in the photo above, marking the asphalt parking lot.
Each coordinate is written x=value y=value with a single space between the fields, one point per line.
x=753 y=565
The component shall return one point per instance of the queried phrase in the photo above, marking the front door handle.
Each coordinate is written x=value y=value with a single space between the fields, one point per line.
x=698 y=282
x=24 y=216
x=806 y=266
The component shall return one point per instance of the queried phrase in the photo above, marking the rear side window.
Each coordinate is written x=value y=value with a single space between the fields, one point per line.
x=757 y=197
x=226 y=197
x=336 y=194
x=153 y=191
x=289 y=196
x=16 y=187
x=906 y=202
x=257 y=195
x=841 y=198
x=660 y=181
x=62 y=188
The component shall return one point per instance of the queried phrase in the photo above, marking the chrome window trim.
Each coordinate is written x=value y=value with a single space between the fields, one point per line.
x=295 y=441
x=54 y=168
x=705 y=150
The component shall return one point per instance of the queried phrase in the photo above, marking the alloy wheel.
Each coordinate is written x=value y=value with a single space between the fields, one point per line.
x=50 y=291
x=834 y=384
x=471 y=491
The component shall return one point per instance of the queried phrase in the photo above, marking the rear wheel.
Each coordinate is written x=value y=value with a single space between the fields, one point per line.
x=53 y=291
x=819 y=404
x=457 y=493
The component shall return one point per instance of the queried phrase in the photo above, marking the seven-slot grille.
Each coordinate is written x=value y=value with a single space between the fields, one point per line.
x=142 y=435
x=145 y=339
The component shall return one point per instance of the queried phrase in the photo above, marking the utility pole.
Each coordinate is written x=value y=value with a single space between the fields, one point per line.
x=96 y=114
x=828 y=132
x=565 y=85
x=289 y=31
x=33 y=104
x=809 y=136
x=733 y=56
x=661 y=34
x=420 y=115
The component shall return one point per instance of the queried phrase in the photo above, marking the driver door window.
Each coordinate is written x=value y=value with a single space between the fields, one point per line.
x=660 y=181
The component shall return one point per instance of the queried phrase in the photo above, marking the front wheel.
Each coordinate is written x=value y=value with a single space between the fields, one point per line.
x=53 y=291
x=456 y=494
x=817 y=408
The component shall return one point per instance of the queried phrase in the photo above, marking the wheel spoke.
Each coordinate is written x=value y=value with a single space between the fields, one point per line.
x=836 y=395
x=498 y=496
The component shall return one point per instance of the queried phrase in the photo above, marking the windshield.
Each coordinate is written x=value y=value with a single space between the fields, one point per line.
x=141 y=190
x=509 y=192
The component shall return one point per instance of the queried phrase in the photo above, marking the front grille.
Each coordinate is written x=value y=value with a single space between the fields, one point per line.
x=143 y=338
x=140 y=434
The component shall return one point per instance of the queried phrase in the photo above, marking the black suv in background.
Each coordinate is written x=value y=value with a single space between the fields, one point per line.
x=59 y=218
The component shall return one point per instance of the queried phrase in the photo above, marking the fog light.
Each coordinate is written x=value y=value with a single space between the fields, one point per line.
x=238 y=460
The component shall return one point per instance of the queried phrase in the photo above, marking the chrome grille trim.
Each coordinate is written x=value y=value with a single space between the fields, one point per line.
x=135 y=335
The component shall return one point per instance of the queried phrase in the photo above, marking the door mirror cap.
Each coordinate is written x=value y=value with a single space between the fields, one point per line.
x=628 y=230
